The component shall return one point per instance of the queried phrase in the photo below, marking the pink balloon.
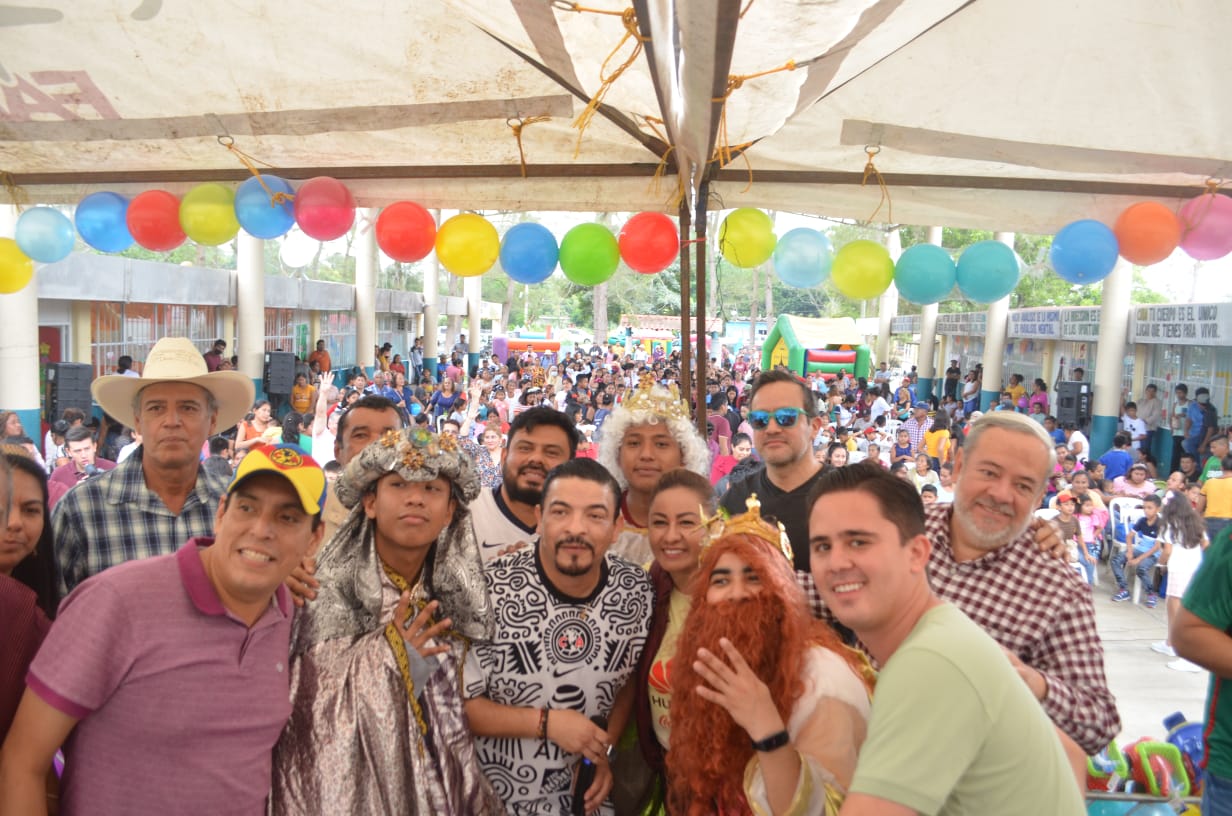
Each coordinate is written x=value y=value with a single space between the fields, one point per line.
x=1207 y=220
x=324 y=208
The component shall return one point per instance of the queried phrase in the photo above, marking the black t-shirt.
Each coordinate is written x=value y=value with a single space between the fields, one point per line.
x=787 y=507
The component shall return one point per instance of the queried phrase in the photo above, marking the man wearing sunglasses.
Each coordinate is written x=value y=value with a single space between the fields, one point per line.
x=784 y=419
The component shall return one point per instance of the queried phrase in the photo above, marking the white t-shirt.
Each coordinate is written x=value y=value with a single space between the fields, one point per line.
x=323 y=447
x=1078 y=436
x=557 y=652
x=495 y=525
x=1134 y=427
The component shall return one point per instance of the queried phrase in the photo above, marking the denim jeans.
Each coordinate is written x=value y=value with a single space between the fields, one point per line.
x=1089 y=567
x=1143 y=570
x=1214 y=525
x=1216 y=795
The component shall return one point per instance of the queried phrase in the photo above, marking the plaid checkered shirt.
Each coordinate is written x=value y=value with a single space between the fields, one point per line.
x=1037 y=607
x=916 y=430
x=115 y=517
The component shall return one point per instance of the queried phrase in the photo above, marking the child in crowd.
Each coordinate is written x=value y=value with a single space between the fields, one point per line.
x=332 y=468
x=1090 y=529
x=874 y=454
x=902 y=449
x=1182 y=537
x=1071 y=532
x=928 y=494
x=1141 y=552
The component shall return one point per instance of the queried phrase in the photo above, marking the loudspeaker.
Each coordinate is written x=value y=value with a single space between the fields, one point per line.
x=68 y=386
x=1073 y=403
x=279 y=372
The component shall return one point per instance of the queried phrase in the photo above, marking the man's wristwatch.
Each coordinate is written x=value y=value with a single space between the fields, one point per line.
x=772 y=742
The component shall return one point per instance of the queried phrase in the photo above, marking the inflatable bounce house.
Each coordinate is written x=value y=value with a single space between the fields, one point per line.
x=806 y=345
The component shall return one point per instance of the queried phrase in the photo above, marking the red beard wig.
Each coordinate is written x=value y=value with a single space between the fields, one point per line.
x=772 y=631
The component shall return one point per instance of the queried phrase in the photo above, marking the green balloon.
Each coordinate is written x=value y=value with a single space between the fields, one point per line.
x=589 y=254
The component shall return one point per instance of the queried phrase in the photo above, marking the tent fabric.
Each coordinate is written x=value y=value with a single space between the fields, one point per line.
x=986 y=113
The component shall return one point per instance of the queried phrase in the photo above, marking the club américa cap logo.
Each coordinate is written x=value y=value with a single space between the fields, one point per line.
x=292 y=464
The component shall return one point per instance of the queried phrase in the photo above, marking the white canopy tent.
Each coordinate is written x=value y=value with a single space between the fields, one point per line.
x=988 y=113
x=995 y=114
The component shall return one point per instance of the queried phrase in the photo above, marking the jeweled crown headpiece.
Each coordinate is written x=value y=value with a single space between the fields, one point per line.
x=666 y=403
x=749 y=522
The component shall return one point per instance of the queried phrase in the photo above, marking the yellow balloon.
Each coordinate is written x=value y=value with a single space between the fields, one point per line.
x=862 y=270
x=16 y=268
x=467 y=245
x=207 y=214
x=746 y=237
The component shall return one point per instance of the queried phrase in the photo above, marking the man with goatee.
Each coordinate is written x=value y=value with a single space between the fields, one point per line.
x=551 y=687
x=768 y=708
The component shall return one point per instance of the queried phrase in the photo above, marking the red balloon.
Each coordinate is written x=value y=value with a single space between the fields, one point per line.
x=1147 y=232
x=154 y=220
x=405 y=231
x=324 y=208
x=649 y=242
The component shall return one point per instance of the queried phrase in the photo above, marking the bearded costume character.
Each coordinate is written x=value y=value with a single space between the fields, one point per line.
x=375 y=727
x=820 y=687
x=649 y=404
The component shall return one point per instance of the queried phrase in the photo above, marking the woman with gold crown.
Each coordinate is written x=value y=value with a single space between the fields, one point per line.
x=647 y=435
x=768 y=707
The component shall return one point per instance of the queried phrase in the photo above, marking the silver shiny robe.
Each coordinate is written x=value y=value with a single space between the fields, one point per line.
x=355 y=743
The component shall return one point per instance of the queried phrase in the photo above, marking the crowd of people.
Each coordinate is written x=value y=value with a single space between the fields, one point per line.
x=536 y=588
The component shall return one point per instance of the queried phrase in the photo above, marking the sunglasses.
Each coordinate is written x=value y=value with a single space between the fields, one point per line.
x=785 y=417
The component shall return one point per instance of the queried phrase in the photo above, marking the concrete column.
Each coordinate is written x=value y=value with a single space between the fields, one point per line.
x=81 y=330
x=887 y=304
x=1110 y=357
x=926 y=387
x=19 y=360
x=314 y=329
x=250 y=308
x=472 y=290
x=994 y=341
x=366 y=260
x=1048 y=358
x=228 y=328
x=432 y=310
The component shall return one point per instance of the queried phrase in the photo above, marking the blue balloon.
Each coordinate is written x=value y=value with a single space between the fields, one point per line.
x=529 y=253
x=256 y=212
x=987 y=271
x=802 y=258
x=45 y=234
x=925 y=273
x=1084 y=252
x=100 y=222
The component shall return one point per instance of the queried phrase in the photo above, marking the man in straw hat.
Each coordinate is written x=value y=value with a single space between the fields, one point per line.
x=170 y=673
x=160 y=495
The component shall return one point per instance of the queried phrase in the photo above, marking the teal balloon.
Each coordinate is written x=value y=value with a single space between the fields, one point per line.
x=1084 y=252
x=1103 y=807
x=45 y=234
x=802 y=258
x=101 y=222
x=589 y=254
x=987 y=271
x=528 y=253
x=925 y=273
x=256 y=212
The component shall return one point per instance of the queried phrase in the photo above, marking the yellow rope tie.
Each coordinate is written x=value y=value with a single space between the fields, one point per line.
x=871 y=170
x=722 y=149
x=1212 y=188
x=251 y=163
x=746 y=8
x=17 y=195
x=517 y=124
x=628 y=18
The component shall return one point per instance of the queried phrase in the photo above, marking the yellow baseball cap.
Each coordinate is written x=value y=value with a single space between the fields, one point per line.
x=291 y=463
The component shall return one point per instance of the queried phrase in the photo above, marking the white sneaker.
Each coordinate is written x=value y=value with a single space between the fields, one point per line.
x=1163 y=648
x=1183 y=665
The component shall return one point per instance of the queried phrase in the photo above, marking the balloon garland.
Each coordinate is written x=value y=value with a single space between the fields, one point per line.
x=1083 y=252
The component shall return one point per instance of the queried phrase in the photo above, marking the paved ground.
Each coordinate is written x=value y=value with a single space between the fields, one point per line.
x=1146 y=690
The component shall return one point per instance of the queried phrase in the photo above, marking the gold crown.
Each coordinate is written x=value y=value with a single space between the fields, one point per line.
x=644 y=400
x=749 y=522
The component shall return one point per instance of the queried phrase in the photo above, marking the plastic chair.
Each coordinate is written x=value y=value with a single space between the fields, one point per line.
x=1125 y=512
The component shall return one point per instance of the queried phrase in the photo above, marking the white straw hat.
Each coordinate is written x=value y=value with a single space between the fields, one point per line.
x=176 y=359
